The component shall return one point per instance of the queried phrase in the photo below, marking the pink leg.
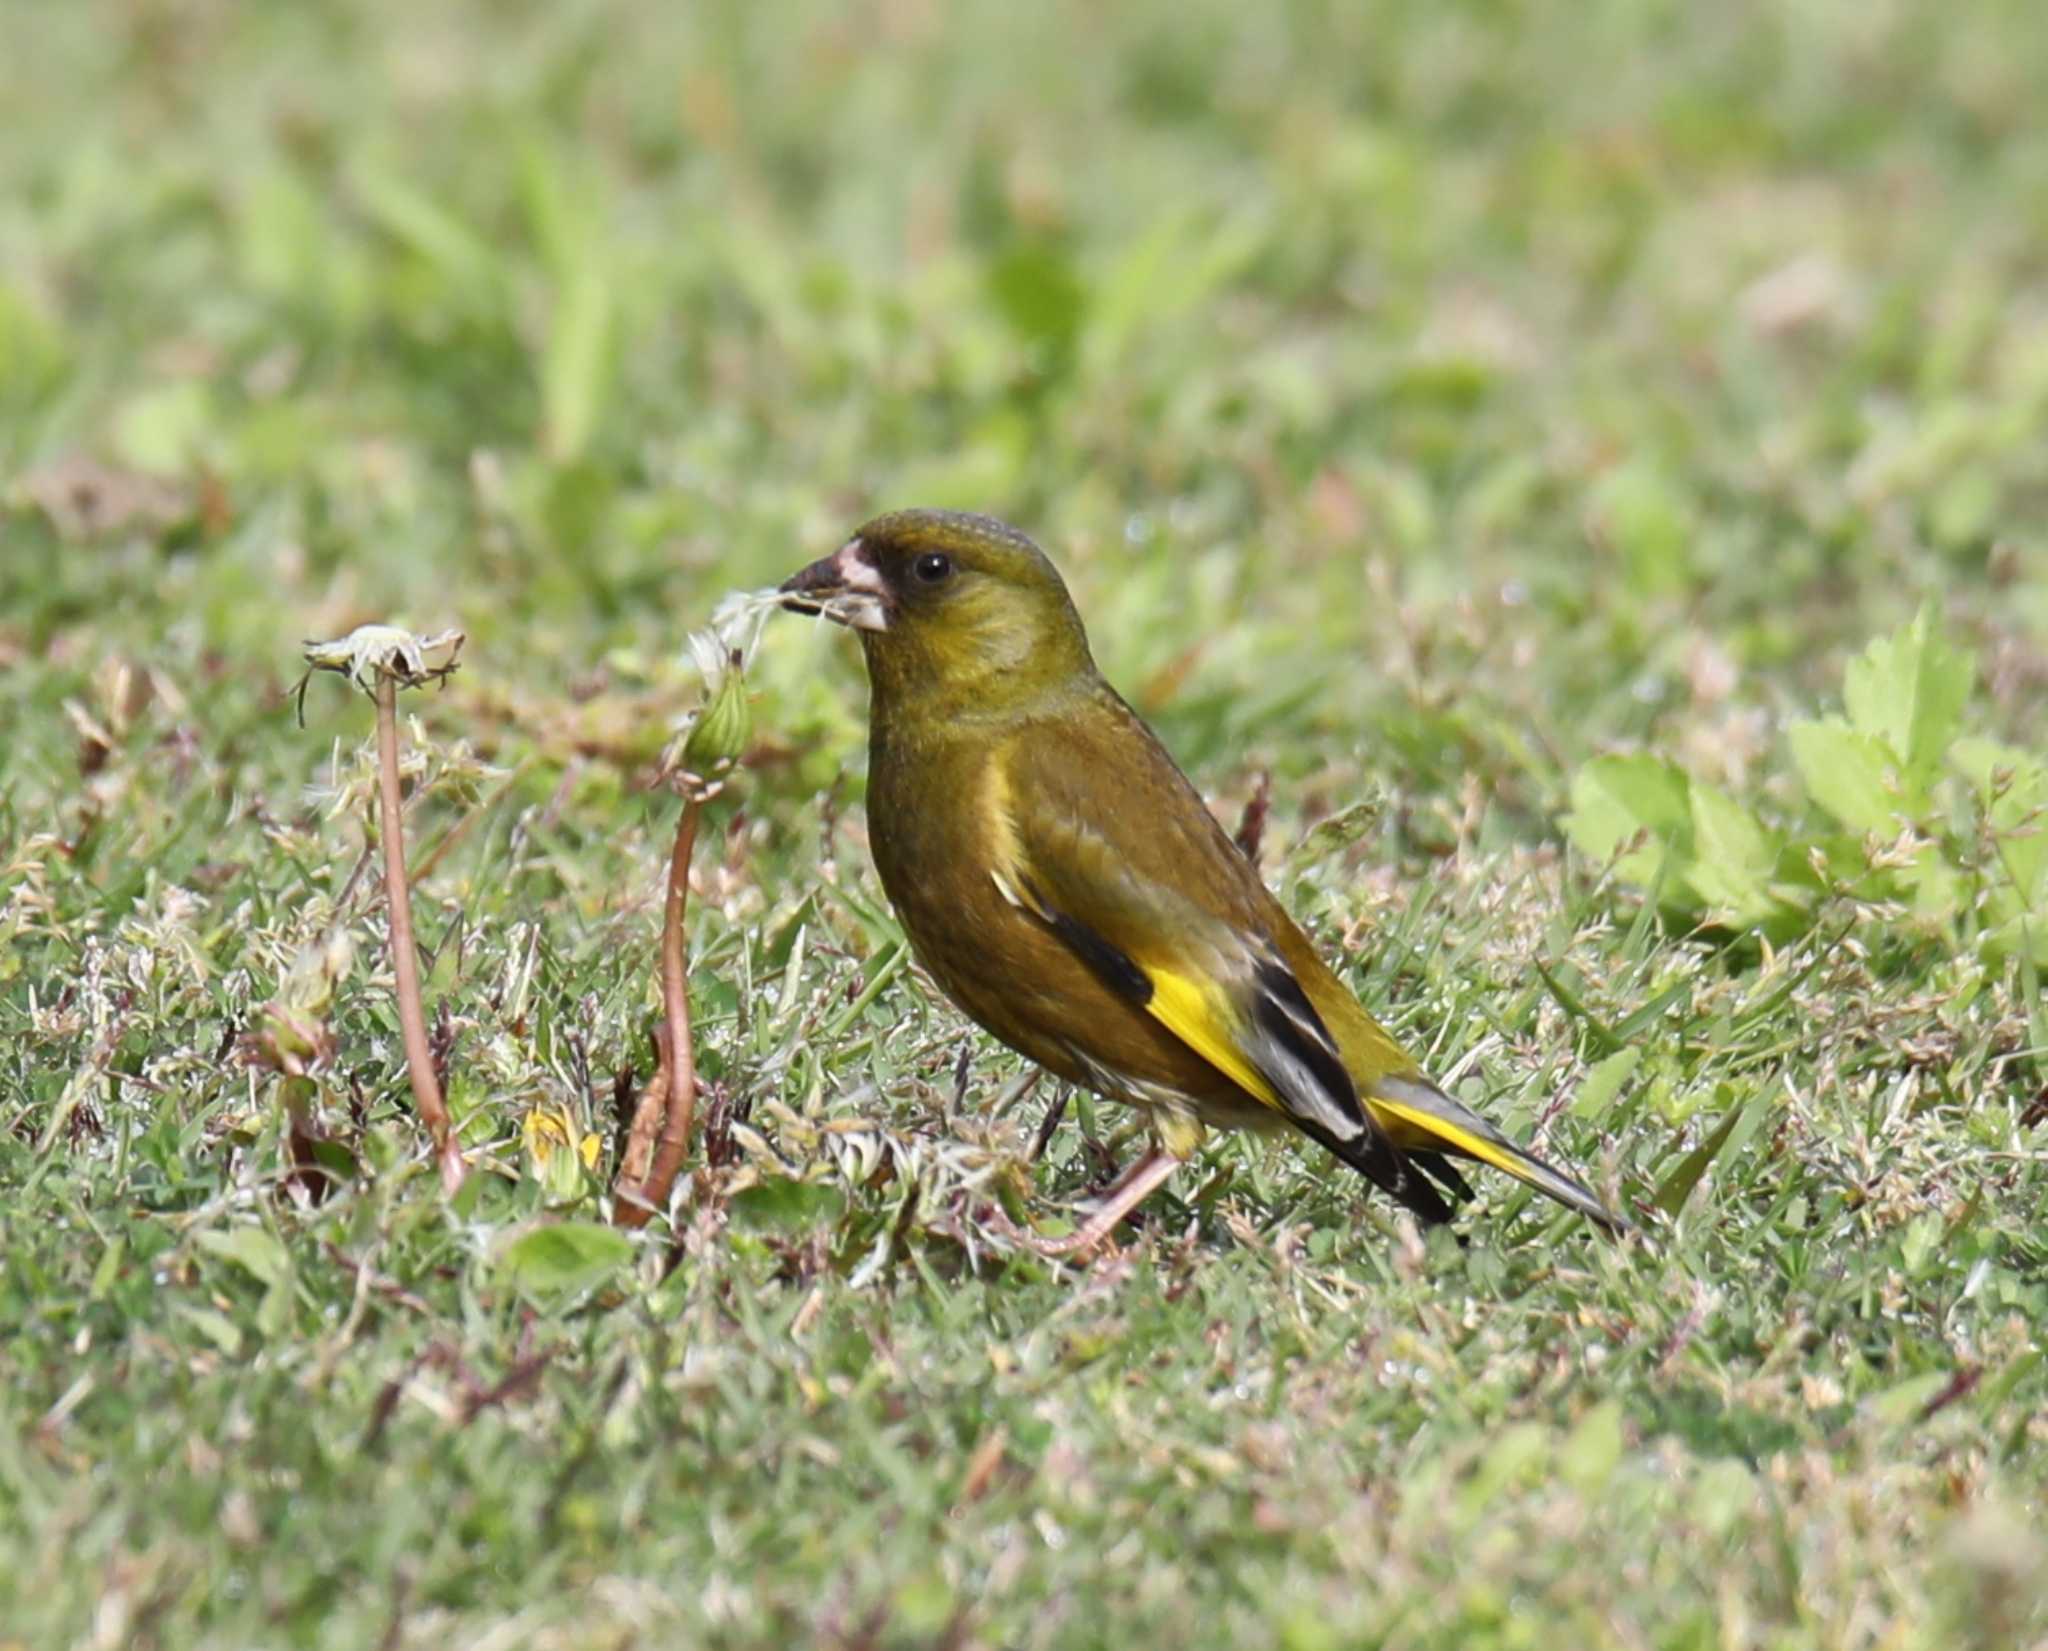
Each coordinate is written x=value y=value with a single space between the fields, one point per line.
x=1138 y=1183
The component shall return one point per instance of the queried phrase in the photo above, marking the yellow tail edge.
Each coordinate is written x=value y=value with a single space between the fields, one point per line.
x=1419 y=1117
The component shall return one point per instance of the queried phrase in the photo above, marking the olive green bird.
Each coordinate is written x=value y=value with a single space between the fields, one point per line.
x=1063 y=882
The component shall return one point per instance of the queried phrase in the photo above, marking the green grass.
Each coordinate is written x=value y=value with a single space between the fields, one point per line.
x=1425 y=401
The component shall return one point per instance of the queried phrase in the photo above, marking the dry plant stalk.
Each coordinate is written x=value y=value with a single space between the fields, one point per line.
x=381 y=659
x=663 y=1118
x=405 y=957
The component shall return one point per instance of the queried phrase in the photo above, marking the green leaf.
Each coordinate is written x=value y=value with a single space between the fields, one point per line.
x=1645 y=514
x=1922 y=1240
x=1908 y=689
x=1903 y=1401
x=253 y=1250
x=1593 y=1451
x=2009 y=930
x=565 y=204
x=786 y=1204
x=1733 y=857
x=1678 y=1185
x=1035 y=288
x=1847 y=773
x=217 y=1328
x=566 y=1256
x=576 y=370
x=1515 y=1455
x=1615 y=798
x=2012 y=787
x=109 y=1267
x=467 y=264
x=1645 y=1015
x=1936 y=887
x=163 y=429
x=1175 y=266
x=1723 y=1496
x=1604 y=1082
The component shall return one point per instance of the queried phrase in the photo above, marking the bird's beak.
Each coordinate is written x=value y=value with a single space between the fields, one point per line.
x=845 y=587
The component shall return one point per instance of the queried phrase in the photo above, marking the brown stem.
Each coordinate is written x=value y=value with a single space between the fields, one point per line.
x=405 y=963
x=636 y=1158
x=675 y=1004
x=674 y=1086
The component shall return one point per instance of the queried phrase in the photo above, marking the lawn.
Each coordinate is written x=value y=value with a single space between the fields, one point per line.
x=1593 y=458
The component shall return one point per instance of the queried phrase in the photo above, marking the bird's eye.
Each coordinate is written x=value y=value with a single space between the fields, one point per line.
x=932 y=568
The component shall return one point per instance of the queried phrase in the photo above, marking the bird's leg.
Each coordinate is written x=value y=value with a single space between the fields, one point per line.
x=1053 y=1115
x=1138 y=1183
x=963 y=1069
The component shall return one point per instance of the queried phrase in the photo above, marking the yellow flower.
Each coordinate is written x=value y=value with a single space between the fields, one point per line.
x=553 y=1148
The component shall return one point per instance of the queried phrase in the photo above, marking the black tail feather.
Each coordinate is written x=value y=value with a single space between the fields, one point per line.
x=1393 y=1172
x=1442 y=1174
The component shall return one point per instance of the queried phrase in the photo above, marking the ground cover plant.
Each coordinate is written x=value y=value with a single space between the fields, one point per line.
x=1589 y=458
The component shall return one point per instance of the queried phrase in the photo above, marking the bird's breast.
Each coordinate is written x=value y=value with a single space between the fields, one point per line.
x=945 y=846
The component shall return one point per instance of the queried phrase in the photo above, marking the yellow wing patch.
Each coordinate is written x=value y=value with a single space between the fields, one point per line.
x=999 y=826
x=1188 y=1009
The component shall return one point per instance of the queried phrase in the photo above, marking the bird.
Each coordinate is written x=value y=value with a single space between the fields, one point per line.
x=1064 y=884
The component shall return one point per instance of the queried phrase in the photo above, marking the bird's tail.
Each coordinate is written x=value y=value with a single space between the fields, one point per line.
x=1419 y=1118
x=1394 y=1173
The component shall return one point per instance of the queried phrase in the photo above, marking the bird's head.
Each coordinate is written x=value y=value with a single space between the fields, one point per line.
x=961 y=611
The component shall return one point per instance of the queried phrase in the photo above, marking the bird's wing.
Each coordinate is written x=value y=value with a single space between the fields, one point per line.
x=1104 y=842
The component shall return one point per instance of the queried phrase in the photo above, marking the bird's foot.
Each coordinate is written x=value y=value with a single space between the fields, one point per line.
x=1138 y=1183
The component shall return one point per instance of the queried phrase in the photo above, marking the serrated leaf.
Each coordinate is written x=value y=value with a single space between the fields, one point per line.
x=566 y=1256
x=1908 y=689
x=1846 y=773
x=1615 y=798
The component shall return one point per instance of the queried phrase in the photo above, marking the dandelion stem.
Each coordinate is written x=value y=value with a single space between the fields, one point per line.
x=674 y=1085
x=675 y=1003
x=412 y=1019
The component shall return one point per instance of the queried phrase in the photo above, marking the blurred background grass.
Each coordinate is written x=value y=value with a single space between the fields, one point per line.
x=1423 y=399
x=1664 y=319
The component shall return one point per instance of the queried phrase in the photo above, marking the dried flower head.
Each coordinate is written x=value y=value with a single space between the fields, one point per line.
x=372 y=653
x=718 y=733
